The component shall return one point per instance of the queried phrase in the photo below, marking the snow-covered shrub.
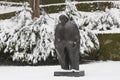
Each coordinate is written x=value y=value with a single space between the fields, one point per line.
x=100 y=20
x=35 y=41
x=29 y=40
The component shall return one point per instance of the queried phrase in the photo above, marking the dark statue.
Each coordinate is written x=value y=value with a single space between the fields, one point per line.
x=67 y=43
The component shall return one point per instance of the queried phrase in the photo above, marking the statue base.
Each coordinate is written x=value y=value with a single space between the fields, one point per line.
x=69 y=74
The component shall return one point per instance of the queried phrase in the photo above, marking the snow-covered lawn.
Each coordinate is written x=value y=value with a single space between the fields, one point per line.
x=109 y=70
x=5 y=9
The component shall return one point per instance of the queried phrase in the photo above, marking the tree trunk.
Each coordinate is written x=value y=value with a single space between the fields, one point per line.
x=37 y=9
x=34 y=4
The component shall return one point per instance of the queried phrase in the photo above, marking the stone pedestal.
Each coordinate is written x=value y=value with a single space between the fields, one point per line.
x=69 y=74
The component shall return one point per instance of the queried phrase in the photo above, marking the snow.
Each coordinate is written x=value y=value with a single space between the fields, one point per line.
x=117 y=2
x=5 y=9
x=108 y=70
x=10 y=3
x=114 y=31
x=23 y=27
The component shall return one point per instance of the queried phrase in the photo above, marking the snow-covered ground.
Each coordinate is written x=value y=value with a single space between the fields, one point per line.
x=93 y=71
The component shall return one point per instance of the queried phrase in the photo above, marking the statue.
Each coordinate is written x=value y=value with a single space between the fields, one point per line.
x=67 y=44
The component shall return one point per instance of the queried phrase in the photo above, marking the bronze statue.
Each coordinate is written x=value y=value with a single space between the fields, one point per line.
x=67 y=43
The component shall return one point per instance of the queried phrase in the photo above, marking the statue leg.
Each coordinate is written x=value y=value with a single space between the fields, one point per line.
x=74 y=54
x=61 y=54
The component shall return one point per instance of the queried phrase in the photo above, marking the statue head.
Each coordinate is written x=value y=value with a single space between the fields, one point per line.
x=63 y=19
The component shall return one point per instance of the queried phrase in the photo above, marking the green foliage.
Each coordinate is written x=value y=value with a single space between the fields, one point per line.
x=109 y=46
x=16 y=0
x=59 y=1
x=54 y=9
x=93 y=6
x=52 y=1
x=81 y=7
x=7 y=15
